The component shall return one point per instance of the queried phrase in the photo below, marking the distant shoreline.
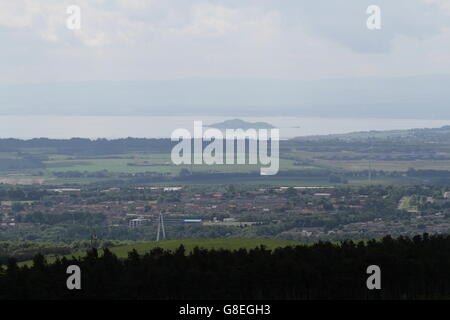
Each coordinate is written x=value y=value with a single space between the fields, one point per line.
x=117 y=127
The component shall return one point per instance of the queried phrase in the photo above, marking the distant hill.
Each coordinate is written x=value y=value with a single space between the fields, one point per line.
x=434 y=135
x=241 y=124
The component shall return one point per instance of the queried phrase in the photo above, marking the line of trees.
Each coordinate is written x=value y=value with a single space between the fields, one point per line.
x=411 y=268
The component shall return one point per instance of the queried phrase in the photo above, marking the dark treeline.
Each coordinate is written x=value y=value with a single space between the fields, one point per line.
x=21 y=193
x=186 y=175
x=82 y=146
x=81 y=218
x=417 y=268
x=21 y=163
x=88 y=146
x=384 y=149
x=428 y=173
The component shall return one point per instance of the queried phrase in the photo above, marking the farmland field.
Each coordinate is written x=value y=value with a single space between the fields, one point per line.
x=318 y=162
x=355 y=165
x=190 y=244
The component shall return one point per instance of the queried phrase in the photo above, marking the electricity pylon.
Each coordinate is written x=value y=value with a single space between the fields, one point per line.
x=161 y=227
x=370 y=158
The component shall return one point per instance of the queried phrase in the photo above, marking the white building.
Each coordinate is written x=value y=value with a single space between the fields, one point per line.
x=137 y=222
x=323 y=195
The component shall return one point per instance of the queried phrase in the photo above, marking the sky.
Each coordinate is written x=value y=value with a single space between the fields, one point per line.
x=261 y=39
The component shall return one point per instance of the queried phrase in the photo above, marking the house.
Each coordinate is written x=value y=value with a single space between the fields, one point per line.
x=192 y=220
x=166 y=189
x=322 y=195
x=134 y=223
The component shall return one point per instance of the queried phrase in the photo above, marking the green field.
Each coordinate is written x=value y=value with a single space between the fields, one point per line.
x=150 y=162
x=357 y=165
x=189 y=244
x=309 y=164
x=406 y=203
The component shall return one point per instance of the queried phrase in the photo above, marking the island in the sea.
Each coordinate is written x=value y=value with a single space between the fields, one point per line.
x=240 y=124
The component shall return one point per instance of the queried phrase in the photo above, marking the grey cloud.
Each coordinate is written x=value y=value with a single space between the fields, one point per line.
x=167 y=39
x=344 y=21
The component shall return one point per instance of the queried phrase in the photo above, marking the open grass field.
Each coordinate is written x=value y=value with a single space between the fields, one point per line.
x=358 y=165
x=406 y=204
x=23 y=181
x=135 y=163
x=189 y=244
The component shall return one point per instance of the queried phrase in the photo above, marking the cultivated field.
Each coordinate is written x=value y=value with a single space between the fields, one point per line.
x=189 y=244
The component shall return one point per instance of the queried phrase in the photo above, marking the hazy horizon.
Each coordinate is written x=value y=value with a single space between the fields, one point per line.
x=115 y=127
x=419 y=97
x=226 y=58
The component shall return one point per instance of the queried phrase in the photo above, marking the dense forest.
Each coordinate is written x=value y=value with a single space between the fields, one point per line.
x=411 y=268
